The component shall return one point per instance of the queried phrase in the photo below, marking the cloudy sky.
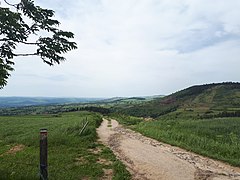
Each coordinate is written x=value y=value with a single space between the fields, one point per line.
x=136 y=48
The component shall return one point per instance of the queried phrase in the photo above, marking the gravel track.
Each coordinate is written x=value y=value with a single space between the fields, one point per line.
x=147 y=158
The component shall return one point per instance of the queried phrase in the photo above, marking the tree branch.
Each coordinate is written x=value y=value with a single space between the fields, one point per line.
x=33 y=54
x=5 y=39
x=14 y=5
x=28 y=43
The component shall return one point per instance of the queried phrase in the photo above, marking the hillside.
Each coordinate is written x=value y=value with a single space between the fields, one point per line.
x=218 y=99
x=204 y=119
x=200 y=101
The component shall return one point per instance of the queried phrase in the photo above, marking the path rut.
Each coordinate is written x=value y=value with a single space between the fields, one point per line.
x=147 y=158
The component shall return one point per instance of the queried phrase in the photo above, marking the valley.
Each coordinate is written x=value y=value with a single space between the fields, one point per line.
x=196 y=130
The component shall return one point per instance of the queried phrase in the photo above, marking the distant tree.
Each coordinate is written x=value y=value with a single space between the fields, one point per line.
x=20 y=21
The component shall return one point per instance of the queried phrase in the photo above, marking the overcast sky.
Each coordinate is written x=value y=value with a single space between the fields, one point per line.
x=136 y=48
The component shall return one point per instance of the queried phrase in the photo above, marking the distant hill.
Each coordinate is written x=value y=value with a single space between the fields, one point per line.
x=130 y=99
x=35 y=101
x=200 y=100
x=45 y=105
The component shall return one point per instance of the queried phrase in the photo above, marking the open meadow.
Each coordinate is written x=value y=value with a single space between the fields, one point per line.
x=71 y=155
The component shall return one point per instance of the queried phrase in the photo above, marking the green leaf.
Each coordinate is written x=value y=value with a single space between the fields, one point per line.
x=16 y=26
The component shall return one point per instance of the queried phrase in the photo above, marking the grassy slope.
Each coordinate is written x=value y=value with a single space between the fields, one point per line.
x=203 y=99
x=180 y=119
x=216 y=138
x=71 y=156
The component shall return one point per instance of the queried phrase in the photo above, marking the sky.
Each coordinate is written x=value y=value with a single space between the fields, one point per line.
x=135 y=48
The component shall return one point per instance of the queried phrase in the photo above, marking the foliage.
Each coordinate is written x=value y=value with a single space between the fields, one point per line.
x=101 y=110
x=71 y=156
x=221 y=114
x=126 y=120
x=18 y=23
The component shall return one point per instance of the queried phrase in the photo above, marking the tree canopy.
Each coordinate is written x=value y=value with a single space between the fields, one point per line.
x=20 y=21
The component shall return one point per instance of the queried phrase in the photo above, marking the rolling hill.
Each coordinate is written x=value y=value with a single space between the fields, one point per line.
x=35 y=101
x=217 y=99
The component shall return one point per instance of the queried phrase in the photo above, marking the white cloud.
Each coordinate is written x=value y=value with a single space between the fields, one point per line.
x=137 y=47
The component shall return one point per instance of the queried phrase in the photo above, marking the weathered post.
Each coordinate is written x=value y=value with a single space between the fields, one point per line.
x=43 y=154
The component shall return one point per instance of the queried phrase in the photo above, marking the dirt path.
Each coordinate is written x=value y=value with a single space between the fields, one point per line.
x=146 y=158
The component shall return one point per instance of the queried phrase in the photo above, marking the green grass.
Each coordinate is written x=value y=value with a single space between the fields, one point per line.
x=127 y=120
x=109 y=123
x=216 y=138
x=70 y=155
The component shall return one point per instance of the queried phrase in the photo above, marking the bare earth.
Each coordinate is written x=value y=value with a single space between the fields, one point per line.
x=146 y=158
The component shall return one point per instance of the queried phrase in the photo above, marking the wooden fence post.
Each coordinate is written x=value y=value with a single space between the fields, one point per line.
x=43 y=154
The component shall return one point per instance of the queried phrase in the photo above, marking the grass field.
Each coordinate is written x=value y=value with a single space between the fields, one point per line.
x=218 y=138
x=70 y=155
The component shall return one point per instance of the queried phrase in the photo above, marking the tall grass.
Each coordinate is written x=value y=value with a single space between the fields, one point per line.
x=216 y=138
x=126 y=120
